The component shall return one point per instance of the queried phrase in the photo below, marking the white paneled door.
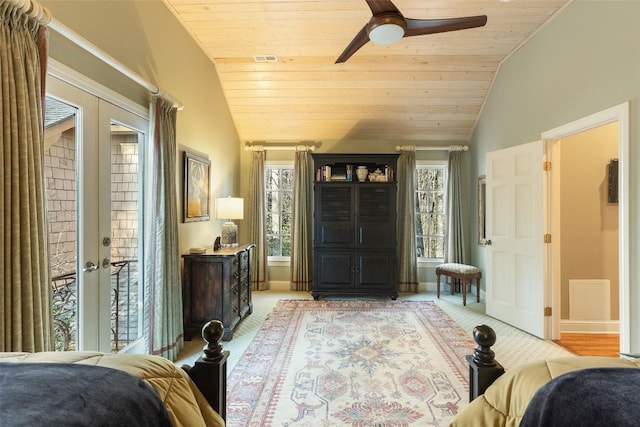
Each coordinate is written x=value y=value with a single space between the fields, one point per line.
x=93 y=157
x=515 y=256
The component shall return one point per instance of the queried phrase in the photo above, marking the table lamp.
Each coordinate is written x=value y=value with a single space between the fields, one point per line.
x=229 y=208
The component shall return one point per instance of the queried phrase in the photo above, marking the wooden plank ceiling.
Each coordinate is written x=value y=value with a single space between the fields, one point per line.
x=423 y=88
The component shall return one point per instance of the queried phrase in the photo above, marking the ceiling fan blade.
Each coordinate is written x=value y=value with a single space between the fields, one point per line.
x=418 y=27
x=359 y=40
x=382 y=6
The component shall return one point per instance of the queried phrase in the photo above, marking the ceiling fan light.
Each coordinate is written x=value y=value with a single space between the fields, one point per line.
x=386 y=33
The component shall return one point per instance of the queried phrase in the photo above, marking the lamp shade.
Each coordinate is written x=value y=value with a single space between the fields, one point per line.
x=229 y=208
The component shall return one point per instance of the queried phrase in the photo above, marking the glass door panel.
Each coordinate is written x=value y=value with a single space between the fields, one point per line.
x=93 y=186
x=126 y=205
x=71 y=155
x=60 y=183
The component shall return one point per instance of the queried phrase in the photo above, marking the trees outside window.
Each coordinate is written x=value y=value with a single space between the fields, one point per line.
x=431 y=184
x=279 y=209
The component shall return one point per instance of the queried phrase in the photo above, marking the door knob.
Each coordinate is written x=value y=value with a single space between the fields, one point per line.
x=106 y=263
x=487 y=242
x=89 y=267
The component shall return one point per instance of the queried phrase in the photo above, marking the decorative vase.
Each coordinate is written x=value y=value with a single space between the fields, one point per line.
x=362 y=173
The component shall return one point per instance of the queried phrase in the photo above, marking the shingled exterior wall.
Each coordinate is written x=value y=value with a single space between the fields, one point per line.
x=60 y=176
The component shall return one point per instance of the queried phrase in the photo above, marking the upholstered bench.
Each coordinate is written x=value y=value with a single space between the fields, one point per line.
x=464 y=273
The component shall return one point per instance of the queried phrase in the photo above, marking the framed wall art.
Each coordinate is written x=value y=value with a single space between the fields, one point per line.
x=197 y=172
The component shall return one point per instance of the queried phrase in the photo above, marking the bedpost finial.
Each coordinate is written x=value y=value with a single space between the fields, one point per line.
x=485 y=337
x=212 y=332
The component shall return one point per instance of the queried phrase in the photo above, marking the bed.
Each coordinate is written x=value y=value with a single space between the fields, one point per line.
x=98 y=389
x=568 y=391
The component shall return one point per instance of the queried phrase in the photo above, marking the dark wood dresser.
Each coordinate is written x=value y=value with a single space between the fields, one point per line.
x=216 y=285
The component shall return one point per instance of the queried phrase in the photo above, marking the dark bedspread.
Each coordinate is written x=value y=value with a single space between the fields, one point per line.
x=60 y=394
x=587 y=398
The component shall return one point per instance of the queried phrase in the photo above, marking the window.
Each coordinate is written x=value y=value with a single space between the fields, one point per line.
x=279 y=208
x=431 y=183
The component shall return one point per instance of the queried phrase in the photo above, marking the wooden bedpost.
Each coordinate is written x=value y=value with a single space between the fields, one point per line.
x=209 y=372
x=483 y=368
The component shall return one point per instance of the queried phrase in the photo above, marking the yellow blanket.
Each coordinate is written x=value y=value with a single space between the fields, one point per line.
x=503 y=404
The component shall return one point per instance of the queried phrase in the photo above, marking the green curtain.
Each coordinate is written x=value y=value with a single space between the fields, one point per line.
x=454 y=250
x=25 y=296
x=302 y=228
x=257 y=224
x=163 y=289
x=407 y=252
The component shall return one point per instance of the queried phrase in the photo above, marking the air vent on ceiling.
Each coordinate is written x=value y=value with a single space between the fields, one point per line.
x=265 y=58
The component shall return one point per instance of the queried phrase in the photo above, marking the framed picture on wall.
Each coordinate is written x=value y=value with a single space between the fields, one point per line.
x=197 y=172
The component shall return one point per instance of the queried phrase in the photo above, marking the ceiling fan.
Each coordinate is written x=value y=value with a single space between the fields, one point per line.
x=388 y=25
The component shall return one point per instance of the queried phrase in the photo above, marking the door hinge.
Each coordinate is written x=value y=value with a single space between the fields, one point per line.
x=546 y=166
x=547 y=238
x=547 y=311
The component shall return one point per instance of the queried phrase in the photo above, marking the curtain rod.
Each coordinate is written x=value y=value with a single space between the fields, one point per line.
x=423 y=148
x=33 y=10
x=75 y=38
x=258 y=147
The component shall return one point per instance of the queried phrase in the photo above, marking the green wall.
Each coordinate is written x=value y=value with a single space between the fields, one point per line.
x=585 y=60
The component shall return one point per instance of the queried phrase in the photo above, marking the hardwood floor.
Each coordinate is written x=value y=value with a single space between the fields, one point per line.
x=591 y=344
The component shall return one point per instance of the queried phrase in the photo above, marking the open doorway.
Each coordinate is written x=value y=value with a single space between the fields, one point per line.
x=592 y=232
x=586 y=211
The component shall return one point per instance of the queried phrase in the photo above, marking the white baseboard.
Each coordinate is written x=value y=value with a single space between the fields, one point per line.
x=426 y=287
x=279 y=285
x=590 y=326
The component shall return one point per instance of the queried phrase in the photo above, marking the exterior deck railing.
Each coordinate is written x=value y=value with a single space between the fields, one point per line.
x=125 y=306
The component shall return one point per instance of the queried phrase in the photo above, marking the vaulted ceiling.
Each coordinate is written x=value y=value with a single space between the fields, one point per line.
x=276 y=61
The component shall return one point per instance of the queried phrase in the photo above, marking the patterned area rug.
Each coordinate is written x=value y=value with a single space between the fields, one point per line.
x=351 y=363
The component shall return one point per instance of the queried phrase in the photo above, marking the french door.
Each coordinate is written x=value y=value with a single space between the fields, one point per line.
x=93 y=176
